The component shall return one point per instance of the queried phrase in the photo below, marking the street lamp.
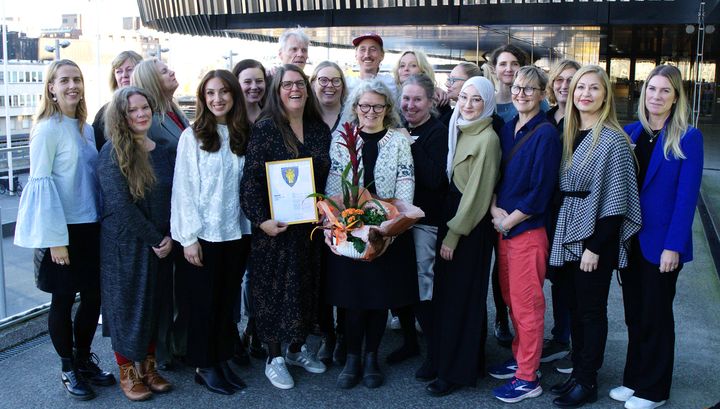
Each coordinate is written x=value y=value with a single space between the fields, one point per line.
x=158 y=52
x=229 y=58
x=58 y=45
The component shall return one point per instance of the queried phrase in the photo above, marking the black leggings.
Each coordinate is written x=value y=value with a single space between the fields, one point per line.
x=61 y=326
x=368 y=324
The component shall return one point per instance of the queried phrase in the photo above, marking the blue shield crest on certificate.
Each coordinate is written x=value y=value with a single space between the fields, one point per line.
x=290 y=175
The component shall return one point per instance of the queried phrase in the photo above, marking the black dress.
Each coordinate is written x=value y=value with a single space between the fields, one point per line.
x=284 y=270
x=459 y=295
x=389 y=281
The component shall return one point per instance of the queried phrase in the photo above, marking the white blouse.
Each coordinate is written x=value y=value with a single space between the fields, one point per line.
x=206 y=192
x=62 y=188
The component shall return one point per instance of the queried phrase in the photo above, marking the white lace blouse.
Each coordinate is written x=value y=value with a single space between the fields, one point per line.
x=206 y=192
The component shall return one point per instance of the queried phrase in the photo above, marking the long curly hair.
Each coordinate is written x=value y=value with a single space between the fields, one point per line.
x=275 y=110
x=205 y=125
x=130 y=155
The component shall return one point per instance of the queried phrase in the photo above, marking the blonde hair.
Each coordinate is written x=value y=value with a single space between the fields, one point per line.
x=120 y=60
x=555 y=71
x=677 y=123
x=422 y=62
x=607 y=117
x=130 y=155
x=146 y=76
x=49 y=106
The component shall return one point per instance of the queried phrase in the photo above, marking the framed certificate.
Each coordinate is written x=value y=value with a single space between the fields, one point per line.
x=289 y=184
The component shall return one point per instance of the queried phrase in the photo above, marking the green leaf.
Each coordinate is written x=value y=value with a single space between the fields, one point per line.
x=359 y=245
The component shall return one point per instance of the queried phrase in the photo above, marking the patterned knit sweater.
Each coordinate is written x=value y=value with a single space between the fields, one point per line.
x=394 y=169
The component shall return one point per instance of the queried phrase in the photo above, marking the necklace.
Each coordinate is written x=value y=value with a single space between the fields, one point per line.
x=654 y=135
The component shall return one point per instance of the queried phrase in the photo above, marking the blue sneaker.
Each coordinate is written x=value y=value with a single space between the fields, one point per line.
x=505 y=370
x=517 y=390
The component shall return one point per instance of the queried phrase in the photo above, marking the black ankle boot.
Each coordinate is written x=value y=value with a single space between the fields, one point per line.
x=440 y=387
x=240 y=354
x=86 y=363
x=340 y=350
x=75 y=385
x=565 y=387
x=372 y=377
x=350 y=375
x=577 y=396
x=326 y=350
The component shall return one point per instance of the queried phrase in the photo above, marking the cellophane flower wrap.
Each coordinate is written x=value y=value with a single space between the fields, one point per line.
x=357 y=224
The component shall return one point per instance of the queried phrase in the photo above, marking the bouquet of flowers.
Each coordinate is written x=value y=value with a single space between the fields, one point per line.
x=356 y=224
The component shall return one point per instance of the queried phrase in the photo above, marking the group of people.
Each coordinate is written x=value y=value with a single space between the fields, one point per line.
x=169 y=223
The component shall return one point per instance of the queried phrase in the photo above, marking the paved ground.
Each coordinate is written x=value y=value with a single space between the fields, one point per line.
x=31 y=377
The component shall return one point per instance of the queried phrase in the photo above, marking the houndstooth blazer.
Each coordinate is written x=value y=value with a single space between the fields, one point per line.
x=606 y=172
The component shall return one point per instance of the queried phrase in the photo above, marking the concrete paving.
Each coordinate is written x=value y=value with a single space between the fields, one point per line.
x=31 y=377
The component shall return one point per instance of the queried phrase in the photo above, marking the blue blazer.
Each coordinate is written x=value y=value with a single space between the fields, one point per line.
x=669 y=195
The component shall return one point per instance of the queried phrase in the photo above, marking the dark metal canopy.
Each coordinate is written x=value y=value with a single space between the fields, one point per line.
x=448 y=28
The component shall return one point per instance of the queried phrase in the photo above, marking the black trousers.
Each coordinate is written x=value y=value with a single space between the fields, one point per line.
x=648 y=296
x=213 y=292
x=367 y=325
x=587 y=295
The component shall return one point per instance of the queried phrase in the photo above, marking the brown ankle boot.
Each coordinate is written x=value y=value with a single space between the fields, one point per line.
x=151 y=377
x=131 y=383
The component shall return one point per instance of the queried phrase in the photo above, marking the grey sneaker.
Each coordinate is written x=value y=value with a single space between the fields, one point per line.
x=306 y=359
x=564 y=365
x=278 y=375
x=553 y=350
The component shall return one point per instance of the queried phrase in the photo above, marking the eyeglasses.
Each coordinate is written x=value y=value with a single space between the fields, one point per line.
x=452 y=80
x=529 y=91
x=365 y=108
x=289 y=84
x=474 y=100
x=325 y=81
x=561 y=80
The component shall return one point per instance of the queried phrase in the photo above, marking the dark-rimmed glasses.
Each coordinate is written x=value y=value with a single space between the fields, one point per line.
x=325 y=81
x=365 y=108
x=287 y=85
x=528 y=90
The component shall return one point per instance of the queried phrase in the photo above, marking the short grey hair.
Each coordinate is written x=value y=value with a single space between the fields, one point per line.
x=391 y=120
x=298 y=32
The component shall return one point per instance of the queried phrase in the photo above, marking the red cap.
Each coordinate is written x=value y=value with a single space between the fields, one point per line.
x=372 y=36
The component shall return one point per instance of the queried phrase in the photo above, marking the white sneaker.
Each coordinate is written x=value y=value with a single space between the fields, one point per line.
x=395 y=323
x=278 y=375
x=306 y=359
x=640 y=403
x=621 y=393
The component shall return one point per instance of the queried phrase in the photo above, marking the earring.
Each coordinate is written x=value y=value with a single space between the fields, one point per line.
x=54 y=98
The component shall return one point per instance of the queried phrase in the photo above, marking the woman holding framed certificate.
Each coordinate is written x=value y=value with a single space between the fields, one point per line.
x=289 y=145
x=207 y=221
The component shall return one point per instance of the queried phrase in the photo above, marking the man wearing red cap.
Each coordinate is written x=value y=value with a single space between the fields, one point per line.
x=369 y=53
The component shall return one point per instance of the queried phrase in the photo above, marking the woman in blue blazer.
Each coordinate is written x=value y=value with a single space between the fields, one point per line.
x=670 y=157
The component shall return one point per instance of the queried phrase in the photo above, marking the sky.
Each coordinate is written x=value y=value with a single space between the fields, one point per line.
x=36 y=14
